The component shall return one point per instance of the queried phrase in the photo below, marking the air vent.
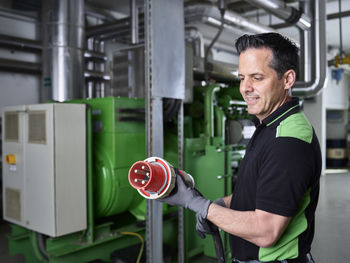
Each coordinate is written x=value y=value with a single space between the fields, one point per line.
x=11 y=126
x=13 y=204
x=37 y=127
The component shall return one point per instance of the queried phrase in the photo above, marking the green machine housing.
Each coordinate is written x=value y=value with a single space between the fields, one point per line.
x=116 y=212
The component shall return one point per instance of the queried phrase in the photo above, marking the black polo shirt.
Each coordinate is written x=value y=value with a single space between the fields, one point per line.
x=280 y=174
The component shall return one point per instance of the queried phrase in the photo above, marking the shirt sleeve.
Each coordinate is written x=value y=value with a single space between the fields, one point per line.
x=285 y=174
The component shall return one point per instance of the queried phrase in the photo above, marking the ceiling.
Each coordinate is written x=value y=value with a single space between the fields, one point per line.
x=121 y=8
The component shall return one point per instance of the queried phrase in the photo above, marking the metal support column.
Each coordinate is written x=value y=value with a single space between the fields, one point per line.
x=164 y=77
x=180 y=139
x=154 y=136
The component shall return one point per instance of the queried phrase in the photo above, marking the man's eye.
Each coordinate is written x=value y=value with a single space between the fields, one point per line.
x=258 y=78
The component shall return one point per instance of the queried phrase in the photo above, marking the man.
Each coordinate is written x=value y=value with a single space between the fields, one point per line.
x=270 y=216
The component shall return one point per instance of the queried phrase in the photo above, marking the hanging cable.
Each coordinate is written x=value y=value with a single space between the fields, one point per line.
x=222 y=8
x=340 y=35
x=142 y=243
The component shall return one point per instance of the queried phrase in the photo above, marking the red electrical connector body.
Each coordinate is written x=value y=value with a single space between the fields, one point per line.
x=154 y=178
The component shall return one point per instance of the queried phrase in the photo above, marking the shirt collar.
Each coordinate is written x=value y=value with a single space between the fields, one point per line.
x=274 y=119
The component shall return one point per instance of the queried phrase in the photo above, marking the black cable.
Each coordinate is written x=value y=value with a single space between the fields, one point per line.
x=219 y=247
x=42 y=246
x=340 y=35
x=206 y=73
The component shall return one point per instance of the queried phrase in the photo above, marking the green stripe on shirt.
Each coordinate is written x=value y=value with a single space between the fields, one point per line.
x=287 y=246
x=296 y=126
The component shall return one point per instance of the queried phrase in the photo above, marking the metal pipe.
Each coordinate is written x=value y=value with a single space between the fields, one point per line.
x=194 y=35
x=107 y=30
x=210 y=15
x=134 y=22
x=95 y=55
x=63 y=41
x=96 y=75
x=287 y=13
x=18 y=66
x=20 y=43
x=318 y=48
x=305 y=64
x=209 y=110
x=30 y=17
x=220 y=120
x=36 y=46
x=338 y=14
x=100 y=30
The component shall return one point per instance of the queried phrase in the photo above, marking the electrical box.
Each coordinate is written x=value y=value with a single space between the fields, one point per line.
x=44 y=167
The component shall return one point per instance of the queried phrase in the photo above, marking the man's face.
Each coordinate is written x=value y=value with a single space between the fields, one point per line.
x=260 y=86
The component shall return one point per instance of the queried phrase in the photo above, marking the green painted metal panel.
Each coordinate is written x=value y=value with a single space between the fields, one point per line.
x=119 y=140
x=208 y=167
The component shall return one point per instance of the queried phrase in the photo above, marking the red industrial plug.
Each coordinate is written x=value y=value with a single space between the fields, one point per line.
x=155 y=178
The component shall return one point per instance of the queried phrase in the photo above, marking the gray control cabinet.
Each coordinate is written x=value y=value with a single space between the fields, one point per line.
x=44 y=167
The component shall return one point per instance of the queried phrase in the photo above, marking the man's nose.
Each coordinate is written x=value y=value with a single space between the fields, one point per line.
x=246 y=85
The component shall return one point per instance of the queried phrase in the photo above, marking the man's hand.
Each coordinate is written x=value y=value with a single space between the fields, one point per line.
x=187 y=197
x=204 y=226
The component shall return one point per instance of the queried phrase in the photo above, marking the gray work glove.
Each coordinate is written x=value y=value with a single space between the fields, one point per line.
x=204 y=226
x=187 y=197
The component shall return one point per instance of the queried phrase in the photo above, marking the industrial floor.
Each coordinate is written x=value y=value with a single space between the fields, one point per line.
x=332 y=238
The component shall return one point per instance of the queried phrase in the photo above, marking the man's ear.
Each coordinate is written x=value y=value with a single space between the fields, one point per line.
x=289 y=79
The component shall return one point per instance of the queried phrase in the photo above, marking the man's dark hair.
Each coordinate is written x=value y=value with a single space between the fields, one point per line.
x=285 y=52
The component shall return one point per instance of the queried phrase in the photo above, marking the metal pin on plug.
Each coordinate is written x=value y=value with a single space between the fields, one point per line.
x=140 y=180
x=142 y=172
x=145 y=169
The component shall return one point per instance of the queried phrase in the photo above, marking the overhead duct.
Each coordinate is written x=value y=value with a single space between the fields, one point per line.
x=63 y=41
x=281 y=10
x=314 y=55
x=210 y=15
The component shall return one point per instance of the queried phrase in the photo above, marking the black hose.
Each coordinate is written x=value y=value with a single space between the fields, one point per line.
x=206 y=69
x=42 y=246
x=219 y=247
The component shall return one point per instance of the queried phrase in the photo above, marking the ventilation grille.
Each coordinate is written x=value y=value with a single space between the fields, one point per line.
x=11 y=126
x=13 y=204
x=37 y=127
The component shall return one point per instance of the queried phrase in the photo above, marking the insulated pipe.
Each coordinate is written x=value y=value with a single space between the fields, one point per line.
x=305 y=63
x=210 y=15
x=134 y=15
x=287 y=13
x=63 y=41
x=317 y=46
x=194 y=35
